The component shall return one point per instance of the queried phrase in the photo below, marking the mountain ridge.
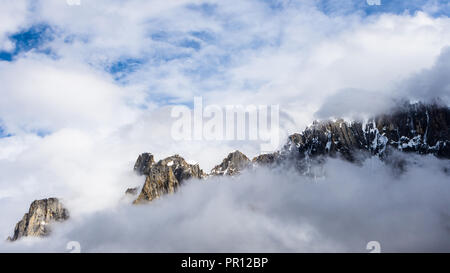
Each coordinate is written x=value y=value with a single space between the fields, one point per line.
x=414 y=128
x=418 y=128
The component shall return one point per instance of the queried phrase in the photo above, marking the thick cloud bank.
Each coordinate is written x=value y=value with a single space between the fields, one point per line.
x=267 y=210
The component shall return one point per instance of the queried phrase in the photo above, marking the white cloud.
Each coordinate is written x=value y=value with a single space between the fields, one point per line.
x=267 y=211
x=12 y=16
x=43 y=94
x=371 y=55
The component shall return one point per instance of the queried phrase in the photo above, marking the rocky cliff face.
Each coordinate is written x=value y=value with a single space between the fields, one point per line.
x=423 y=129
x=232 y=164
x=165 y=176
x=144 y=163
x=266 y=159
x=39 y=218
x=417 y=128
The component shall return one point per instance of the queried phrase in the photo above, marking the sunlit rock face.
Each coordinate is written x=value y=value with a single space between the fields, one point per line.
x=41 y=215
x=233 y=164
x=165 y=176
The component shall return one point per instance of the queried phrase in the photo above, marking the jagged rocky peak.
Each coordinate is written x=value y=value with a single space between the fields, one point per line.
x=416 y=128
x=182 y=169
x=165 y=176
x=266 y=159
x=328 y=138
x=39 y=218
x=143 y=163
x=233 y=164
x=132 y=191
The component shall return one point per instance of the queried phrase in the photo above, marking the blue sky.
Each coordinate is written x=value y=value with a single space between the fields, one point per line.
x=195 y=40
x=37 y=36
x=32 y=38
x=3 y=133
x=386 y=6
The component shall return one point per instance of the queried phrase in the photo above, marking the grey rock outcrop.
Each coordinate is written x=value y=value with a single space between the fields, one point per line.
x=419 y=128
x=165 y=176
x=233 y=164
x=41 y=215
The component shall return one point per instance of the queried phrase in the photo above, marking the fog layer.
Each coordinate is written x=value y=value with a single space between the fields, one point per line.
x=277 y=210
